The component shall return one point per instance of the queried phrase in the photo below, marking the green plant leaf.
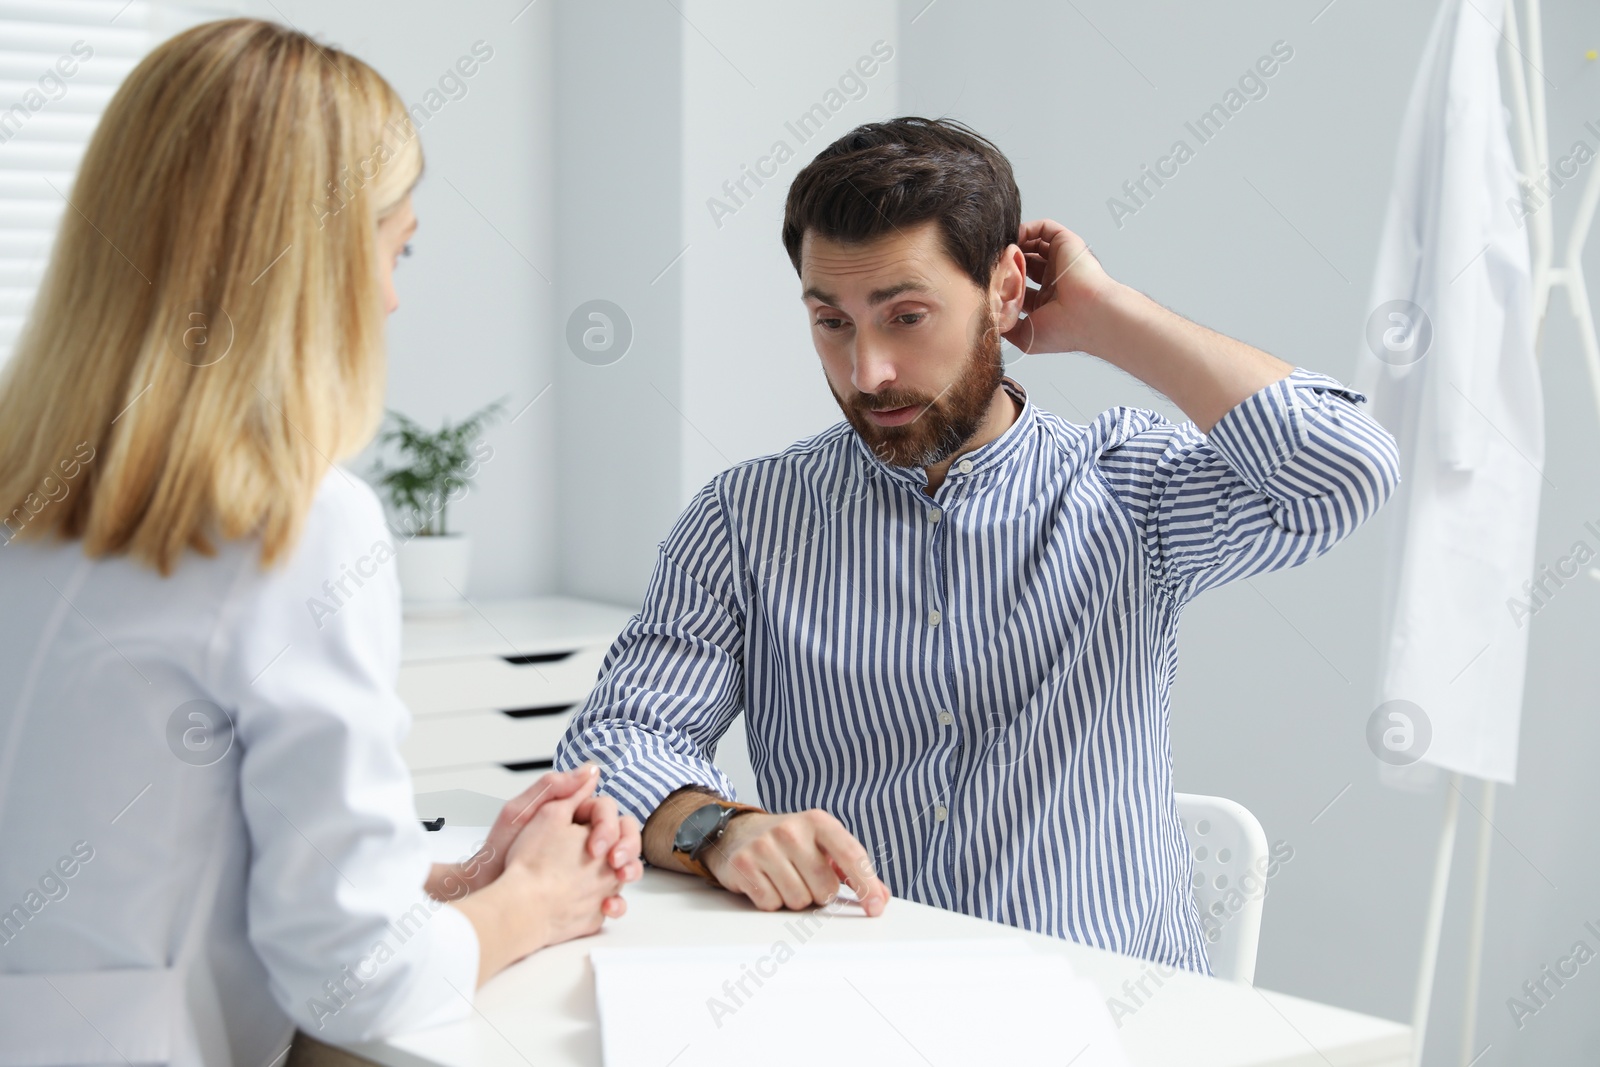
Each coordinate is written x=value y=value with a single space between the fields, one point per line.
x=437 y=464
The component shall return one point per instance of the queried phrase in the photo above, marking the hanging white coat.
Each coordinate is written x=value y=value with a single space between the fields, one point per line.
x=1450 y=369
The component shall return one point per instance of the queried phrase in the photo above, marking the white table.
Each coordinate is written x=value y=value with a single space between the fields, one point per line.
x=507 y=627
x=541 y=1012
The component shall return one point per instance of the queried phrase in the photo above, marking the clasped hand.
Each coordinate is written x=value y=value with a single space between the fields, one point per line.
x=571 y=852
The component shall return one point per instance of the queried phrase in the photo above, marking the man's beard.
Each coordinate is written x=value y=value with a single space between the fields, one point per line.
x=952 y=417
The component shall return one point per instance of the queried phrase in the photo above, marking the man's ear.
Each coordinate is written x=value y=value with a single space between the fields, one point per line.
x=1008 y=284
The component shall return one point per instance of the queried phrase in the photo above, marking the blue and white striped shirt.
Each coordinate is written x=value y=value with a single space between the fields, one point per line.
x=976 y=683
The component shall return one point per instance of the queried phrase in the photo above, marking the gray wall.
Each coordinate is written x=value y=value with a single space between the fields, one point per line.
x=619 y=157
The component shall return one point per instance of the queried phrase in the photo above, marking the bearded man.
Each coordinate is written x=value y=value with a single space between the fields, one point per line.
x=950 y=620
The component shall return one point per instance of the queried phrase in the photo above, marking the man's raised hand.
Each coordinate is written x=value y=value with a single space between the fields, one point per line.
x=1060 y=313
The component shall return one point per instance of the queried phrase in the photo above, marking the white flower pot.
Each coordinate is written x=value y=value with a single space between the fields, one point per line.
x=433 y=574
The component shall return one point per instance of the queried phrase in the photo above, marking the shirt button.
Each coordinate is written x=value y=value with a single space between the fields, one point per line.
x=933 y=514
x=940 y=812
x=933 y=618
x=946 y=718
x=965 y=466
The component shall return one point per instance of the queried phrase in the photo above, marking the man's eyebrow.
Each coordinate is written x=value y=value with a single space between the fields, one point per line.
x=877 y=296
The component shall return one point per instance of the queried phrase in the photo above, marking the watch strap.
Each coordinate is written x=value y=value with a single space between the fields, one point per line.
x=695 y=866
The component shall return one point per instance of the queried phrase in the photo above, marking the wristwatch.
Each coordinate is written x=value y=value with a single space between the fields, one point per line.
x=701 y=829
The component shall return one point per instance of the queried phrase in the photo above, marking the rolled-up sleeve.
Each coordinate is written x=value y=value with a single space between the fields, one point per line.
x=1285 y=475
x=354 y=948
x=672 y=682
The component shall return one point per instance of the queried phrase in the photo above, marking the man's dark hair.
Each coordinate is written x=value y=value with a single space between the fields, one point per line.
x=885 y=176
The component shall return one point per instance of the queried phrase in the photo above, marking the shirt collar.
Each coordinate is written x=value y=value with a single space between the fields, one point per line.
x=992 y=456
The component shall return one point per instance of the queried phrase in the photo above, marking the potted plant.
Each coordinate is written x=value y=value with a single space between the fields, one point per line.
x=438 y=470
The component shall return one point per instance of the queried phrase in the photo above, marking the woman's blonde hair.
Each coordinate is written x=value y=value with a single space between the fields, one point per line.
x=209 y=332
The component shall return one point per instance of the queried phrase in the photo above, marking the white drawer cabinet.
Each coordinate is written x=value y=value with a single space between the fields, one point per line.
x=492 y=691
x=448 y=742
x=469 y=683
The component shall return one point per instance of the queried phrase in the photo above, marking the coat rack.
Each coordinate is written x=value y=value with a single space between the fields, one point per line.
x=1532 y=146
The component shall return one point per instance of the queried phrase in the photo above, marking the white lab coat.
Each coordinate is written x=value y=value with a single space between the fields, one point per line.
x=211 y=905
x=1468 y=415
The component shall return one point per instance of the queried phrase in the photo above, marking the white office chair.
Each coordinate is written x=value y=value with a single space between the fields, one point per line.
x=1230 y=878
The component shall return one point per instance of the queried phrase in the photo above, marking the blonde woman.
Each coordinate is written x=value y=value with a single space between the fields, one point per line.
x=207 y=834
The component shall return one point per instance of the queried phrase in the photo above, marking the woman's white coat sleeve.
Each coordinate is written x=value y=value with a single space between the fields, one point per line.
x=309 y=656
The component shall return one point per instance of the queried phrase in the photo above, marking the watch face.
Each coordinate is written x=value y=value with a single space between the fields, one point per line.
x=697 y=826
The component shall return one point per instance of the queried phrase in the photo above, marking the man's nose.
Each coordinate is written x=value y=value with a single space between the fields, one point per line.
x=873 y=366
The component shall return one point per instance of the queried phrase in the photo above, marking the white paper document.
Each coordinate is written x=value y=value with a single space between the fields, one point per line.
x=455 y=844
x=917 y=1003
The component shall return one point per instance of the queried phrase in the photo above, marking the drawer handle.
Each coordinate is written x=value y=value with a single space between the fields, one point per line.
x=530 y=713
x=530 y=765
x=526 y=658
